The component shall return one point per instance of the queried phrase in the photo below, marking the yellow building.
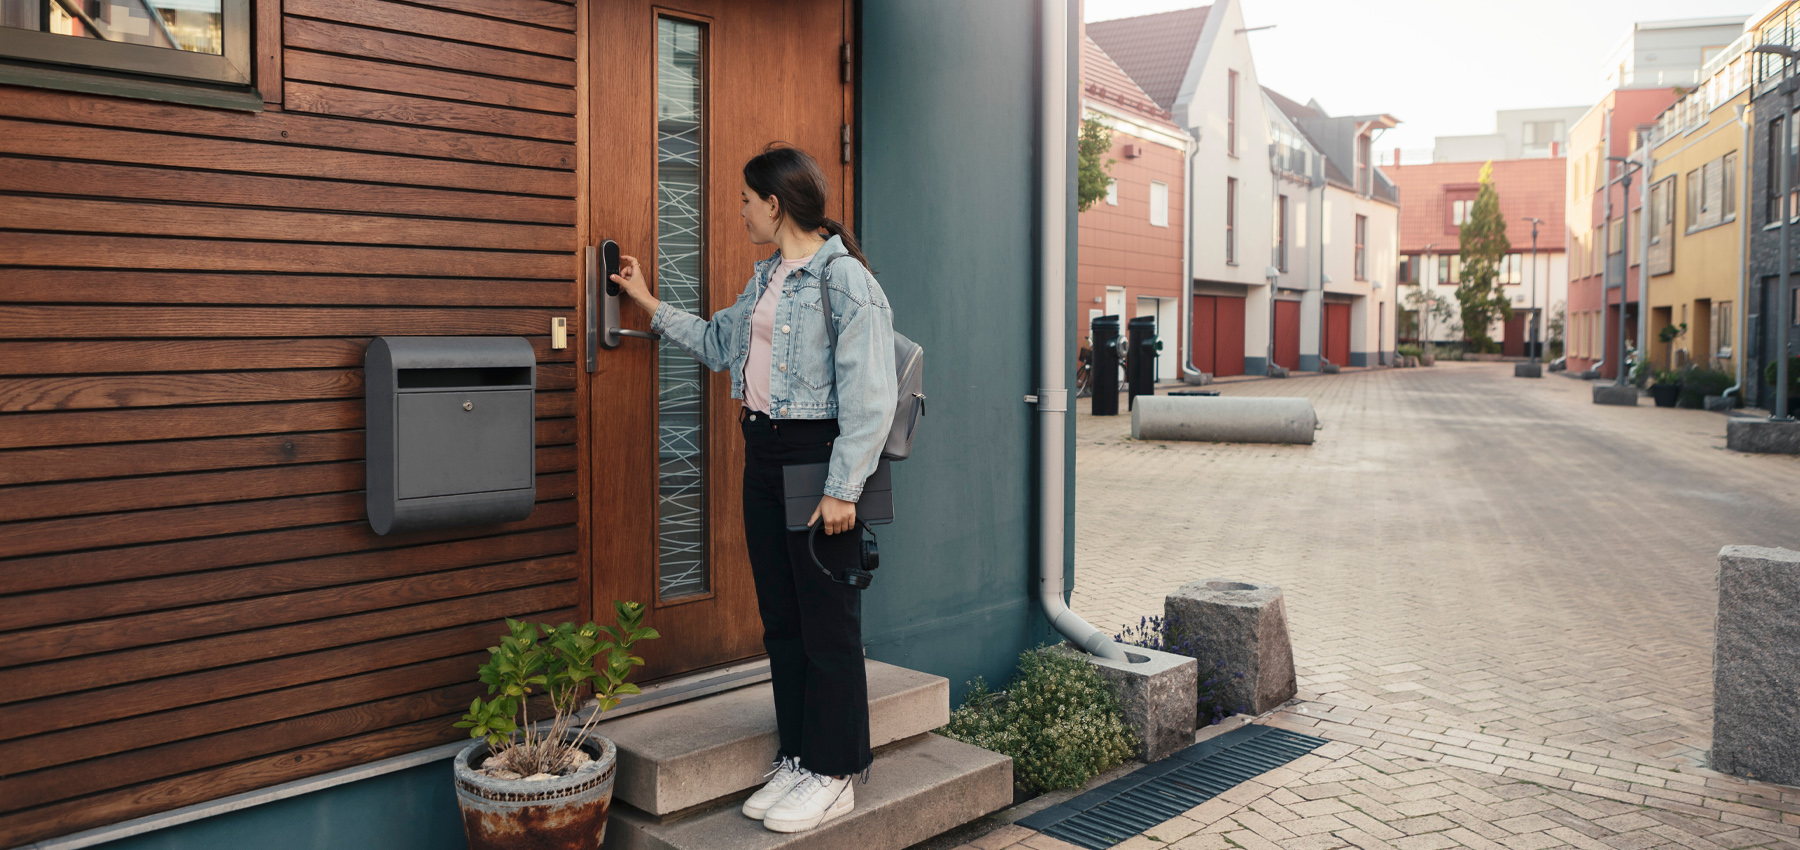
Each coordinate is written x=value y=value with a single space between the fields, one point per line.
x=1698 y=208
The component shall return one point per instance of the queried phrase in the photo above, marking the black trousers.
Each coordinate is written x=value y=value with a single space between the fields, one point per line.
x=812 y=625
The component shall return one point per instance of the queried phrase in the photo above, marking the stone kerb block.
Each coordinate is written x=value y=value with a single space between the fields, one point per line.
x=1159 y=693
x=1756 y=665
x=1625 y=396
x=1761 y=436
x=1243 y=624
x=1528 y=370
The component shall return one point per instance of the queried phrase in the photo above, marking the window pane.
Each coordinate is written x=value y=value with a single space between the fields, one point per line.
x=681 y=436
x=196 y=26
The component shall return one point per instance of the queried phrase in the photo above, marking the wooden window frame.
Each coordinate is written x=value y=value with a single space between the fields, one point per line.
x=251 y=55
x=1362 y=251
x=1231 y=113
x=1231 y=191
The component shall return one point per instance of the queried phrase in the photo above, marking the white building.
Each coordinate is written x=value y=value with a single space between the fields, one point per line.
x=1518 y=134
x=1197 y=64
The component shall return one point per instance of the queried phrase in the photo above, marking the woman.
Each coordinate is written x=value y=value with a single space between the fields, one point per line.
x=803 y=403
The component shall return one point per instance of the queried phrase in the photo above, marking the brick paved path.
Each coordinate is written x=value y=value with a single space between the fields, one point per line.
x=1501 y=601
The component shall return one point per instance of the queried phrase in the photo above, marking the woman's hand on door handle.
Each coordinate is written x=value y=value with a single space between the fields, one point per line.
x=839 y=516
x=631 y=281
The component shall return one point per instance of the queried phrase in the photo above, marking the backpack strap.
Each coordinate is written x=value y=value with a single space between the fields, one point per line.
x=825 y=299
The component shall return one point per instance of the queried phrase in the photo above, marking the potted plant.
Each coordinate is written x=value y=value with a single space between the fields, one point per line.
x=547 y=784
x=1667 y=388
x=1769 y=376
x=1670 y=333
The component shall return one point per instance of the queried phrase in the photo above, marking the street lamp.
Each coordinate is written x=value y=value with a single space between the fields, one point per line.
x=1631 y=167
x=1425 y=304
x=1783 y=311
x=1534 y=313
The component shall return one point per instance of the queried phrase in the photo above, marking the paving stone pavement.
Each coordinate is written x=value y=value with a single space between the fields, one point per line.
x=1501 y=598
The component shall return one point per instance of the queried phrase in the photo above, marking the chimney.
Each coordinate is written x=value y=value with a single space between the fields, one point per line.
x=1555 y=149
x=1396 y=156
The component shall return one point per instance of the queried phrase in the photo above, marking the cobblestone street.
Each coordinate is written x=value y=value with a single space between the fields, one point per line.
x=1501 y=600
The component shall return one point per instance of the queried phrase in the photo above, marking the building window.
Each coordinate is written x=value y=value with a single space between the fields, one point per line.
x=1159 y=204
x=1281 y=232
x=1616 y=236
x=1722 y=327
x=1409 y=269
x=1231 y=220
x=1362 y=252
x=1443 y=269
x=1231 y=112
x=1112 y=193
x=1772 y=192
x=1541 y=134
x=1694 y=193
x=1460 y=210
x=203 y=40
x=1362 y=164
x=1728 y=181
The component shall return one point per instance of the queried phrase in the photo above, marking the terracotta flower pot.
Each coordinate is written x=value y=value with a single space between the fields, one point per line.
x=565 y=813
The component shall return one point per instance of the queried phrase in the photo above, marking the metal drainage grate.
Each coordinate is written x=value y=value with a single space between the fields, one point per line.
x=1154 y=793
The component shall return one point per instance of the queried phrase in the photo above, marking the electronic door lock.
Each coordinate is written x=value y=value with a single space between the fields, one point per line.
x=603 y=294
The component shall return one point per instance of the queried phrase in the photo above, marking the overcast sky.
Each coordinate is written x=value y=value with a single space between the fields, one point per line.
x=1441 y=66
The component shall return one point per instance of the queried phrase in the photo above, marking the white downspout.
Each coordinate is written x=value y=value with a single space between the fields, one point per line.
x=1739 y=354
x=1054 y=134
x=1187 y=263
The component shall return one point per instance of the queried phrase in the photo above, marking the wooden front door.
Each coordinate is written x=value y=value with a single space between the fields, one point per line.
x=679 y=96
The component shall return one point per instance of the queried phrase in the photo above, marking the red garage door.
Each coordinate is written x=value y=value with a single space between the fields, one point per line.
x=1218 y=335
x=1287 y=334
x=1337 y=333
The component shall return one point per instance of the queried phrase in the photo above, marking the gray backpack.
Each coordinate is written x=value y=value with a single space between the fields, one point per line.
x=909 y=367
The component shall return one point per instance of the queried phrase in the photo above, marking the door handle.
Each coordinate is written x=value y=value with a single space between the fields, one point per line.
x=603 y=329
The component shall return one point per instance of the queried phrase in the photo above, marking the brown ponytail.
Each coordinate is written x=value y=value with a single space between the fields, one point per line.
x=794 y=179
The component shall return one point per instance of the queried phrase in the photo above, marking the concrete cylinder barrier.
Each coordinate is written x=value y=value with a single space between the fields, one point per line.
x=1224 y=419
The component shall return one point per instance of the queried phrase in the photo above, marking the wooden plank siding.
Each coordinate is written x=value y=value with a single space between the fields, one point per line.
x=192 y=600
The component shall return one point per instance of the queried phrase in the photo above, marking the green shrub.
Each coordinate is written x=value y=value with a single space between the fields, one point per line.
x=1057 y=719
x=1769 y=374
x=1698 y=383
x=1408 y=351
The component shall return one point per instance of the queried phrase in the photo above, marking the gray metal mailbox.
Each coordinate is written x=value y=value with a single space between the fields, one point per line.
x=450 y=431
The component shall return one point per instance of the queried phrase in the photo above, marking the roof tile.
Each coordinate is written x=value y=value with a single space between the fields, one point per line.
x=1153 y=49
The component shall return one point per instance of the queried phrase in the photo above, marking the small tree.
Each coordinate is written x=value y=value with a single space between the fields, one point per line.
x=1433 y=310
x=1484 y=246
x=1558 y=320
x=1092 y=177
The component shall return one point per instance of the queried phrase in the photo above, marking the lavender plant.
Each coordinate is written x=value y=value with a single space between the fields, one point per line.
x=1166 y=635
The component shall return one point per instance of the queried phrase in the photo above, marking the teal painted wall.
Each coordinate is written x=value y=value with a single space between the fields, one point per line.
x=413 y=809
x=946 y=200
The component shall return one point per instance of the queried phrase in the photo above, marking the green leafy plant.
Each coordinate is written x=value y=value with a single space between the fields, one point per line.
x=1092 y=177
x=1484 y=245
x=1057 y=719
x=1770 y=374
x=1667 y=376
x=1407 y=350
x=1559 y=316
x=1670 y=333
x=1698 y=383
x=564 y=664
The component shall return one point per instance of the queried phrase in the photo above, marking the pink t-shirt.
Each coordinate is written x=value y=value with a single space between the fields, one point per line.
x=762 y=337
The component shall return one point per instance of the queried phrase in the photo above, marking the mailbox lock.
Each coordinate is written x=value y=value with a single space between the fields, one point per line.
x=468 y=405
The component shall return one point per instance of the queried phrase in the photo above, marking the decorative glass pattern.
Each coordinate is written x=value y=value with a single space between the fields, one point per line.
x=681 y=433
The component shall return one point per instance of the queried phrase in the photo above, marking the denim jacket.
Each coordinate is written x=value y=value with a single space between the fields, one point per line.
x=857 y=388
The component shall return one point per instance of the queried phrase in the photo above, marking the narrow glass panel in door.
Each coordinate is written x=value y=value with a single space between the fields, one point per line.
x=680 y=242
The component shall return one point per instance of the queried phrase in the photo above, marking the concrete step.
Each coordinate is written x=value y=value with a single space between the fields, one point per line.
x=696 y=752
x=918 y=789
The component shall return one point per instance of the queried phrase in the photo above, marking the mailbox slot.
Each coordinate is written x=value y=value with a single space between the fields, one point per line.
x=451 y=431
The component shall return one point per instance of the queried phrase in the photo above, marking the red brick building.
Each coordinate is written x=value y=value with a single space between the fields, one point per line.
x=1434 y=195
x=1132 y=241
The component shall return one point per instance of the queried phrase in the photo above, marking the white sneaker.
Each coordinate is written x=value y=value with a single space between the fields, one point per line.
x=814 y=800
x=786 y=775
